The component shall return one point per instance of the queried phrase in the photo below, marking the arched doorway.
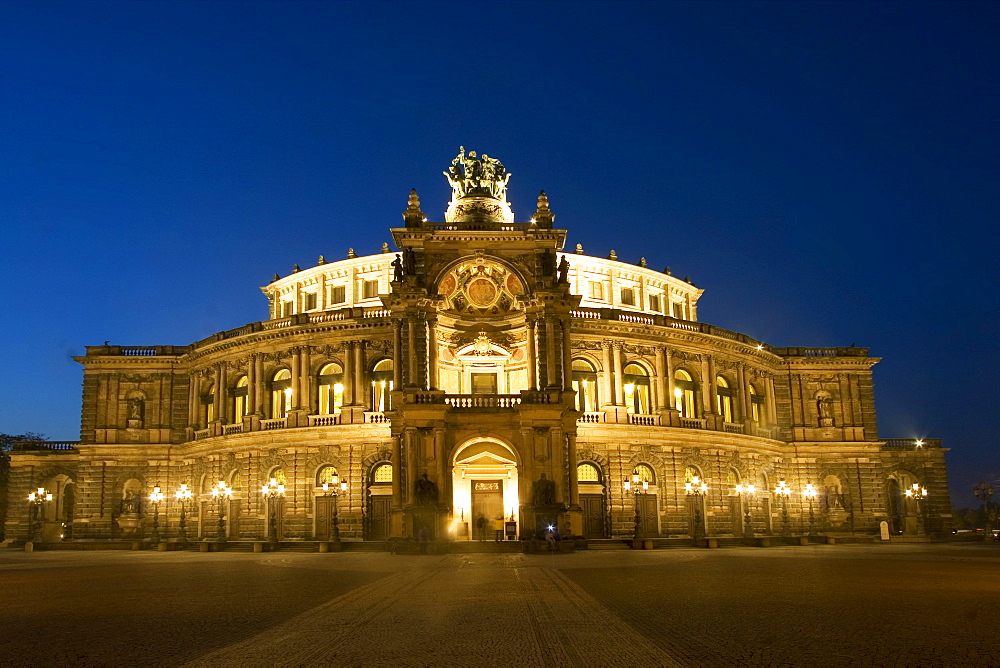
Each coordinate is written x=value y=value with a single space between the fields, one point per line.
x=485 y=489
x=379 y=507
x=592 y=499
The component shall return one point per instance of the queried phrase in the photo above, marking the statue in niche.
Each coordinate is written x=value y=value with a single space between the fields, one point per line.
x=563 y=270
x=409 y=262
x=543 y=492
x=426 y=492
x=397 y=270
x=134 y=411
x=131 y=503
x=824 y=406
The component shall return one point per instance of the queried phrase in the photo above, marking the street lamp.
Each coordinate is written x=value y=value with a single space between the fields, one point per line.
x=636 y=490
x=155 y=497
x=330 y=489
x=810 y=493
x=984 y=492
x=783 y=491
x=696 y=489
x=747 y=492
x=271 y=490
x=918 y=493
x=222 y=493
x=183 y=495
x=37 y=498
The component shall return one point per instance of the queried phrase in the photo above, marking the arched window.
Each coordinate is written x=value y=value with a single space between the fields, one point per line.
x=331 y=389
x=645 y=473
x=278 y=474
x=240 y=399
x=684 y=393
x=587 y=472
x=585 y=384
x=723 y=399
x=381 y=386
x=691 y=472
x=326 y=475
x=636 y=386
x=281 y=393
x=732 y=478
x=236 y=481
x=756 y=405
x=382 y=475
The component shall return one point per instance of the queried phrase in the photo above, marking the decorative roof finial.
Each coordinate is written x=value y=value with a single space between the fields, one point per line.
x=612 y=255
x=543 y=215
x=274 y=278
x=321 y=260
x=413 y=216
x=579 y=249
x=642 y=262
x=295 y=268
x=350 y=253
x=385 y=247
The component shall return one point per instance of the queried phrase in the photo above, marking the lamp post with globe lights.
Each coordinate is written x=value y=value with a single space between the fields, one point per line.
x=155 y=497
x=696 y=488
x=984 y=492
x=222 y=493
x=783 y=491
x=183 y=495
x=37 y=499
x=272 y=490
x=810 y=493
x=636 y=488
x=331 y=490
x=918 y=493
x=747 y=492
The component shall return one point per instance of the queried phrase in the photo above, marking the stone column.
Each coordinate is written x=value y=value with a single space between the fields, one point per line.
x=772 y=408
x=359 y=373
x=567 y=350
x=220 y=392
x=305 y=400
x=669 y=358
x=531 y=354
x=619 y=383
x=574 y=485
x=707 y=386
x=397 y=458
x=713 y=393
x=349 y=373
x=411 y=352
x=296 y=379
x=744 y=394
x=193 y=400
x=550 y=353
x=662 y=399
x=607 y=381
x=397 y=356
x=259 y=386
x=431 y=355
x=444 y=474
x=411 y=445
x=252 y=385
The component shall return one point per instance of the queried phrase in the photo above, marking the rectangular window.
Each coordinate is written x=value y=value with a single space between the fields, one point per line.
x=369 y=290
x=286 y=309
x=679 y=310
x=484 y=383
x=338 y=294
x=654 y=303
x=628 y=296
x=308 y=301
x=596 y=290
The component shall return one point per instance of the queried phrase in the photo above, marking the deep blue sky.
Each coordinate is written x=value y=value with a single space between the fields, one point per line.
x=826 y=171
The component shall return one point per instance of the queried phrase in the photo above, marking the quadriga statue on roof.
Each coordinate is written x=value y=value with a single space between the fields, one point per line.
x=472 y=176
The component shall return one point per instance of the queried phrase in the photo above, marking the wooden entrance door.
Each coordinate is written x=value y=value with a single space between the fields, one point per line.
x=324 y=511
x=233 y=525
x=648 y=515
x=378 y=518
x=487 y=507
x=593 y=515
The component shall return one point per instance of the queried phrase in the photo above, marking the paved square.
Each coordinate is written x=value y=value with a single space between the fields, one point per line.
x=866 y=605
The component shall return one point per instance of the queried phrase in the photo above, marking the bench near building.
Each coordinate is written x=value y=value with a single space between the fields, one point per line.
x=480 y=381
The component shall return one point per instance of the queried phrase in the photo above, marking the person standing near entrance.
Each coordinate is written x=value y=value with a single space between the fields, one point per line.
x=550 y=537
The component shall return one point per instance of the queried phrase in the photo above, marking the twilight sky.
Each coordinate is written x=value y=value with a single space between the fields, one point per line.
x=828 y=172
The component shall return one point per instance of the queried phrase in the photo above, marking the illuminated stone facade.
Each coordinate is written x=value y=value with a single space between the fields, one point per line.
x=480 y=378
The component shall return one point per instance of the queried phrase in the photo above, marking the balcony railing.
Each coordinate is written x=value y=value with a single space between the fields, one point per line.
x=591 y=417
x=693 y=423
x=43 y=446
x=228 y=429
x=482 y=400
x=323 y=420
x=644 y=420
x=277 y=423
x=734 y=427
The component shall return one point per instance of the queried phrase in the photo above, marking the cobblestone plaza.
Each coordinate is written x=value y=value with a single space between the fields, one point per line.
x=917 y=604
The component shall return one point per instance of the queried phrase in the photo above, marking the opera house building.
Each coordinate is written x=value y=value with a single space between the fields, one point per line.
x=484 y=381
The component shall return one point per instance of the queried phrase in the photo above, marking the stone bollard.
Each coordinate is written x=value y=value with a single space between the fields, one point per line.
x=324 y=547
x=136 y=545
x=29 y=546
x=711 y=542
x=258 y=547
x=830 y=540
x=203 y=547
x=161 y=547
x=803 y=540
x=765 y=542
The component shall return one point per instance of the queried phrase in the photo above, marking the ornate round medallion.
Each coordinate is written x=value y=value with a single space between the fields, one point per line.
x=481 y=292
x=447 y=286
x=514 y=286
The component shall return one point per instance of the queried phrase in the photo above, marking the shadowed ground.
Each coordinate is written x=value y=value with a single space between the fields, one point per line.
x=870 y=605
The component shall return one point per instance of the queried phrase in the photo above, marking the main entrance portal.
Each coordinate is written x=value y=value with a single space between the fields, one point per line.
x=485 y=484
